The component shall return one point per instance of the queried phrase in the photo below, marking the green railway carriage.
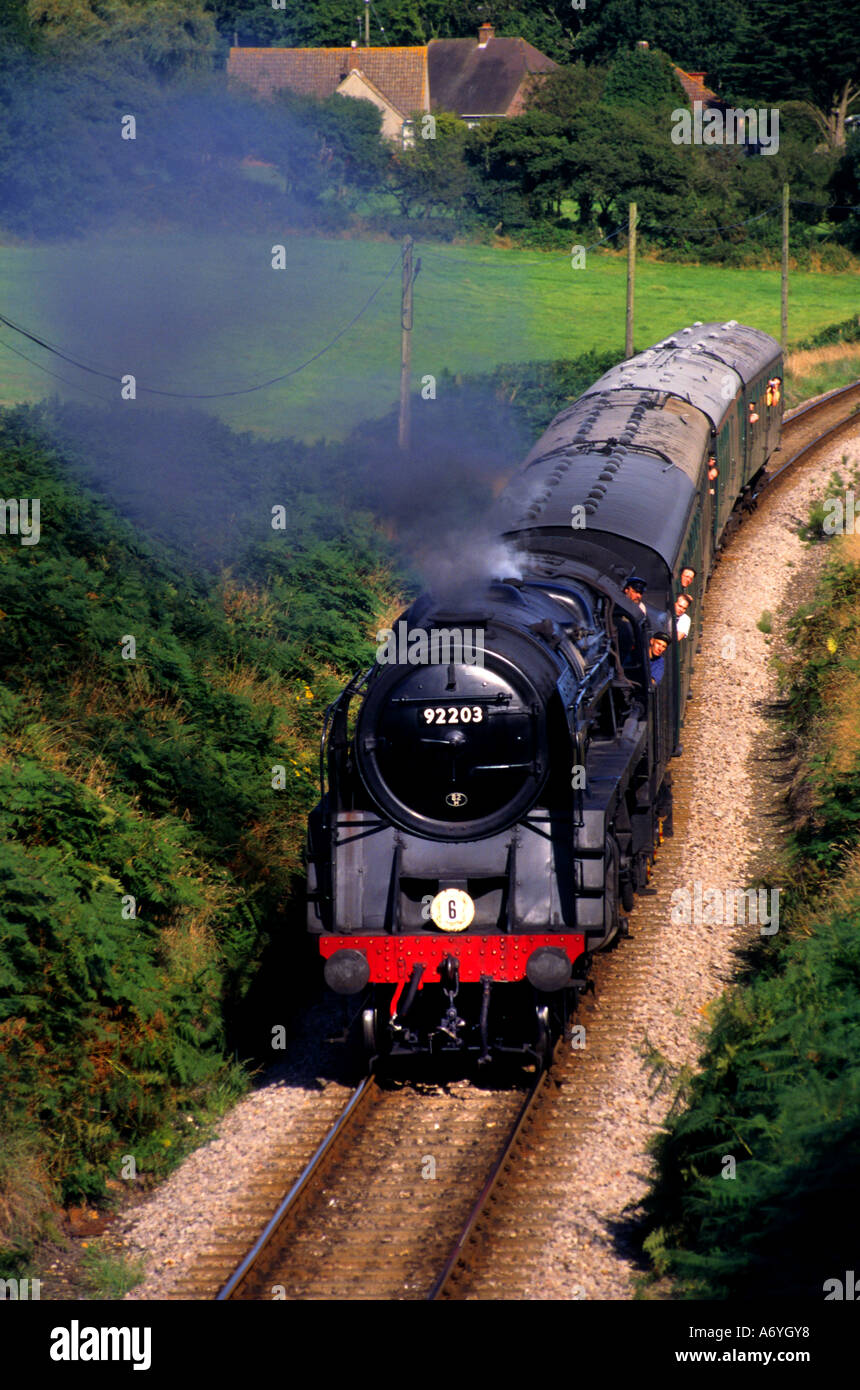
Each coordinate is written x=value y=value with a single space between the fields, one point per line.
x=633 y=452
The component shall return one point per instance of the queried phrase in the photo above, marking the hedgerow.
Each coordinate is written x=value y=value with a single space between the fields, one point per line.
x=146 y=858
x=778 y=1090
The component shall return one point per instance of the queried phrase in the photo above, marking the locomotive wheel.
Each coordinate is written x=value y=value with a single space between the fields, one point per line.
x=628 y=897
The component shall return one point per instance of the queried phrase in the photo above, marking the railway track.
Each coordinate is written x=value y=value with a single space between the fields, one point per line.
x=835 y=412
x=416 y=1194
x=388 y=1204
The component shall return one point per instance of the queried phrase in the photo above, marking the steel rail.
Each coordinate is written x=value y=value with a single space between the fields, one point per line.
x=830 y=433
x=457 y=1255
x=360 y=1098
x=800 y=411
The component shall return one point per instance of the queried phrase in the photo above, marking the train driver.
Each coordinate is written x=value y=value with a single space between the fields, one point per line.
x=634 y=589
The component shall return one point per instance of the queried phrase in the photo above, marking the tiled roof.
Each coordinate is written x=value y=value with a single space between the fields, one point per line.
x=372 y=87
x=481 y=79
x=694 y=85
x=399 y=74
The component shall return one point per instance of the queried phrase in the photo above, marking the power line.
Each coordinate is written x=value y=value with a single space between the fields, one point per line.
x=53 y=347
x=74 y=385
x=699 y=231
x=192 y=395
x=380 y=25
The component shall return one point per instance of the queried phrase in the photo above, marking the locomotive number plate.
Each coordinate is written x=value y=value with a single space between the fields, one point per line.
x=453 y=714
x=452 y=909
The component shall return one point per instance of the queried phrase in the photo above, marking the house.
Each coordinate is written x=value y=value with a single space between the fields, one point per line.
x=694 y=86
x=394 y=79
x=480 y=78
x=734 y=127
x=488 y=78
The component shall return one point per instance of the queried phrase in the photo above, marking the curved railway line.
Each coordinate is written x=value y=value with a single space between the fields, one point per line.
x=835 y=411
x=419 y=1193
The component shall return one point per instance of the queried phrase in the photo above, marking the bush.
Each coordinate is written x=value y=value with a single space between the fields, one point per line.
x=779 y=1085
x=145 y=856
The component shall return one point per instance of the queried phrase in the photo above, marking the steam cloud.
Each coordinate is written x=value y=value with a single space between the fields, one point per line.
x=130 y=301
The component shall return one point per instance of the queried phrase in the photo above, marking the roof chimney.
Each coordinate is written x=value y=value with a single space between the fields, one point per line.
x=697 y=77
x=485 y=33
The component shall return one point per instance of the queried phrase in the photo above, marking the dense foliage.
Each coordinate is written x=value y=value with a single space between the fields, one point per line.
x=147 y=775
x=592 y=139
x=779 y=1088
x=550 y=25
x=846 y=332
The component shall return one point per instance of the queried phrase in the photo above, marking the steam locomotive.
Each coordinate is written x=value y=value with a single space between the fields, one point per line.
x=491 y=805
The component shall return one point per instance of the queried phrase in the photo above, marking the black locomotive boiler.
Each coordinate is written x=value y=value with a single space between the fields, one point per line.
x=488 y=812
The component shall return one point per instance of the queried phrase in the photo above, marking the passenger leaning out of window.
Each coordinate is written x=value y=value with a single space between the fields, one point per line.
x=682 y=617
x=657 y=651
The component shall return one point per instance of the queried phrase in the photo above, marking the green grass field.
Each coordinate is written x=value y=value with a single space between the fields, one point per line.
x=207 y=314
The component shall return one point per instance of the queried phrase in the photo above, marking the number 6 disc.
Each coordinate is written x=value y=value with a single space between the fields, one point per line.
x=452 y=909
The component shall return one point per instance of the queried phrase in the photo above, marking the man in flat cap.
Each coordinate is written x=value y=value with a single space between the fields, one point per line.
x=634 y=589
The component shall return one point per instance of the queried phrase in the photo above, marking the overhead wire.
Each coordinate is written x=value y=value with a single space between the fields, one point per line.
x=427 y=251
x=194 y=395
x=75 y=386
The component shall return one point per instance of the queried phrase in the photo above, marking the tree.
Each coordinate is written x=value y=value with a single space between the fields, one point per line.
x=167 y=37
x=845 y=188
x=769 y=51
x=644 y=78
x=808 y=53
x=321 y=24
x=692 y=32
x=524 y=164
x=548 y=24
x=14 y=24
x=342 y=137
x=568 y=91
x=432 y=176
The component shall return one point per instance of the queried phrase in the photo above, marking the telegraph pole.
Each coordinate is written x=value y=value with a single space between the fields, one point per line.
x=631 y=278
x=405 y=345
x=785 y=209
x=367 y=23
